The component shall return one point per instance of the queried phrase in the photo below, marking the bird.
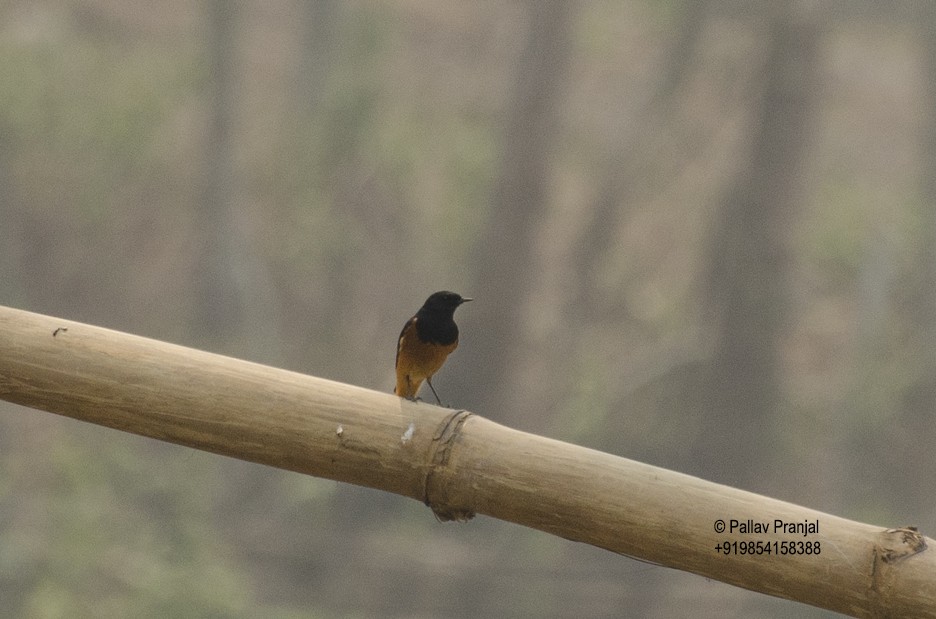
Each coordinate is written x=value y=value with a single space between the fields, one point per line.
x=426 y=341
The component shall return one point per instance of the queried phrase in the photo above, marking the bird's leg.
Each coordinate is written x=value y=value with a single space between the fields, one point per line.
x=429 y=381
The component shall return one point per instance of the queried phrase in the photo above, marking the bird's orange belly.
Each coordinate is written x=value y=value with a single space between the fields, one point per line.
x=417 y=362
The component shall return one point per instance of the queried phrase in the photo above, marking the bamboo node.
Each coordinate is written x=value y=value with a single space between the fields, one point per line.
x=897 y=544
x=434 y=490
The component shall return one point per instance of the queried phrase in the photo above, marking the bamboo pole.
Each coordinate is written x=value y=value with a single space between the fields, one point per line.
x=460 y=464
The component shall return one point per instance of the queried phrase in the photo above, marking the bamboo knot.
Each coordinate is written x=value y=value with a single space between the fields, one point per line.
x=897 y=544
x=892 y=546
x=435 y=488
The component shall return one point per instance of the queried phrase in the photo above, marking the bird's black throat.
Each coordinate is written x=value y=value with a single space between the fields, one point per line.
x=437 y=325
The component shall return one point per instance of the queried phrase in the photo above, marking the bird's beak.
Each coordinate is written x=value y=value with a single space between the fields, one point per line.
x=465 y=300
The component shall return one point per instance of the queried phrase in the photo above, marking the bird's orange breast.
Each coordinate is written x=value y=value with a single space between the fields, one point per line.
x=417 y=360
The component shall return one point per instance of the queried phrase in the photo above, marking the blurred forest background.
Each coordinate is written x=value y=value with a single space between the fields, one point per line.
x=698 y=234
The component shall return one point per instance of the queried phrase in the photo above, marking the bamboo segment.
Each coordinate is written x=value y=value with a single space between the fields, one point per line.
x=460 y=464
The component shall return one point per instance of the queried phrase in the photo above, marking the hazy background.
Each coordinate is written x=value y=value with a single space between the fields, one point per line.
x=700 y=234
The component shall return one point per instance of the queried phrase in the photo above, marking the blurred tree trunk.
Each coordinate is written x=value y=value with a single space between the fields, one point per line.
x=920 y=395
x=505 y=250
x=748 y=261
x=318 y=25
x=219 y=304
x=12 y=239
x=635 y=162
x=232 y=283
x=631 y=160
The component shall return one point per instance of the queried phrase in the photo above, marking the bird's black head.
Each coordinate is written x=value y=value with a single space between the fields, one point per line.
x=443 y=301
